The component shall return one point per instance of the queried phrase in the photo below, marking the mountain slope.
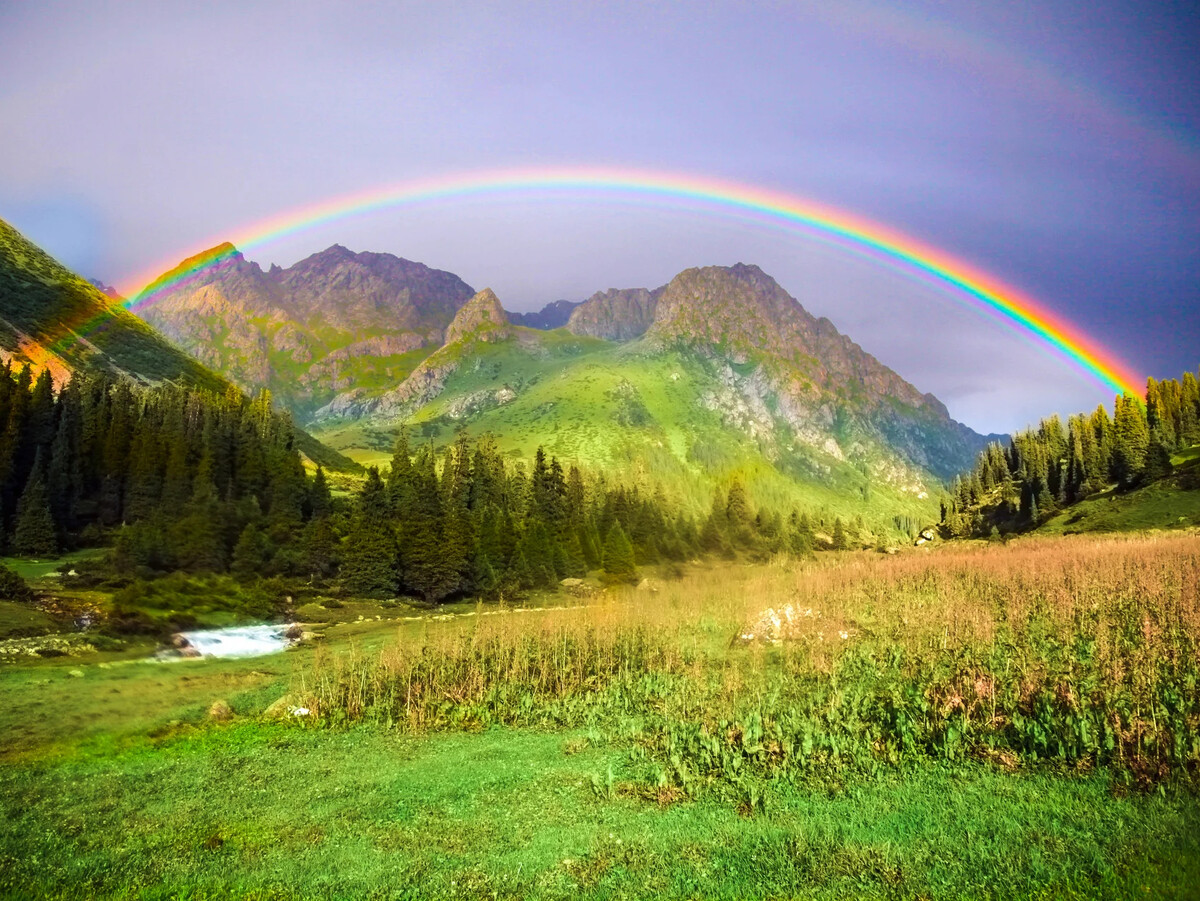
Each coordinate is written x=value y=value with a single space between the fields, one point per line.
x=52 y=318
x=732 y=378
x=335 y=321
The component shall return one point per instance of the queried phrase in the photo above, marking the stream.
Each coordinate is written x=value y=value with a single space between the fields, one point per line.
x=237 y=641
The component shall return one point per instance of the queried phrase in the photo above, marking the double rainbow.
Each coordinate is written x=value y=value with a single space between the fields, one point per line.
x=965 y=282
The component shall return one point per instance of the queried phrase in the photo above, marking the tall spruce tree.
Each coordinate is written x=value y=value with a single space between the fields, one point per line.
x=618 y=556
x=35 y=534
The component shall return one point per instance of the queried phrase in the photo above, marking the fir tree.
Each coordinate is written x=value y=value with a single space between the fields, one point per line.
x=618 y=556
x=35 y=534
x=1131 y=441
x=840 y=541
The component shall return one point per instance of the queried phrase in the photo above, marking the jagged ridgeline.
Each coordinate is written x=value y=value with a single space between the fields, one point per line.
x=718 y=376
x=1051 y=468
x=55 y=320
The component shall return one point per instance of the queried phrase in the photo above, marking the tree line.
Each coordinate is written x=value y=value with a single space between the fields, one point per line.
x=180 y=479
x=171 y=471
x=466 y=521
x=1044 y=469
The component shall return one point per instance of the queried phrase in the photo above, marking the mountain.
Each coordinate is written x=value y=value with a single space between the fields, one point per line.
x=551 y=316
x=52 y=318
x=719 y=374
x=335 y=321
x=615 y=314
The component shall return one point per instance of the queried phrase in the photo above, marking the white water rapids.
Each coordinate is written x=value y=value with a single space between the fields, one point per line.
x=238 y=641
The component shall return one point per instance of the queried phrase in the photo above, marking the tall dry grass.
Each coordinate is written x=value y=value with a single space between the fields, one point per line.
x=1081 y=651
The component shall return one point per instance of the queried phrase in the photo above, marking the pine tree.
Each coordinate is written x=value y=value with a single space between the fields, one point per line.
x=318 y=548
x=618 y=556
x=840 y=541
x=35 y=534
x=1131 y=441
x=250 y=553
x=320 y=499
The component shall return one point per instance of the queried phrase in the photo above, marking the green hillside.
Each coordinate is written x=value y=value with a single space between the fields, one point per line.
x=52 y=318
x=1170 y=503
x=633 y=412
x=1139 y=469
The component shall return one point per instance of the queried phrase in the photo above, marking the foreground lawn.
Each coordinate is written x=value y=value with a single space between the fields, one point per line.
x=253 y=810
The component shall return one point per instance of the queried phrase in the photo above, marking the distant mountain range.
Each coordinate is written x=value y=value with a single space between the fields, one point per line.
x=334 y=322
x=719 y=374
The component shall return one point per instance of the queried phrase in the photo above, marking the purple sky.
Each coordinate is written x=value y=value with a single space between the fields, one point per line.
x=1056 y=145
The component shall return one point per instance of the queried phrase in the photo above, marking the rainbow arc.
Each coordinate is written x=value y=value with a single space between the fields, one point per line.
x=964 y=281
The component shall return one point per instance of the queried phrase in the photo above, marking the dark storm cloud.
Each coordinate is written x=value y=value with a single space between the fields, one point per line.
x=1053 y=145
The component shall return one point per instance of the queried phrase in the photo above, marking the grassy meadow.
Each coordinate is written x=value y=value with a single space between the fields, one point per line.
x=975 y=720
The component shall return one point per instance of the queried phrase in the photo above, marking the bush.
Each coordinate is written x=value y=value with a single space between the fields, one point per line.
x=13 y=587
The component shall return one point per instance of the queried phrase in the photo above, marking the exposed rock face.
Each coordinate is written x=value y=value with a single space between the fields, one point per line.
x=551 y=316
x=785 y=380
x=775 y=355
x=482 y=318
x=616 y=314
x=331 y=322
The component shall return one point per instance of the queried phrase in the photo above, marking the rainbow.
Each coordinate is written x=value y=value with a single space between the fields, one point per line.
x=860 y=235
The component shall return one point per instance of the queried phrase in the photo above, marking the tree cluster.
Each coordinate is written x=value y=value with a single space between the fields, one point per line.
x=466 y=522
x=174 y=472
x=1046 y=469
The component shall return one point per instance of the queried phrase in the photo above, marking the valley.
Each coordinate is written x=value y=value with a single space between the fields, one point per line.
x=681 y=589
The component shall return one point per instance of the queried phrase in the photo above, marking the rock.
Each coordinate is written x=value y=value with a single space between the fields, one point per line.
x=927 y=534
x=76 y=673
x=616 y=314
x=220 y=712
x=576 y=587
x=312 y=636
x=280 y=709
x=294 y=632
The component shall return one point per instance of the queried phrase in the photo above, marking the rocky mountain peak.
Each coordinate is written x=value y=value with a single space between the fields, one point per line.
x=618 y=314
x=330 y=322
x=739 y=306
x=481 y=317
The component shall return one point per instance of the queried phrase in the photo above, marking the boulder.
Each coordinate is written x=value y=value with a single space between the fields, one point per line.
x=220 y=711
x=576 y=587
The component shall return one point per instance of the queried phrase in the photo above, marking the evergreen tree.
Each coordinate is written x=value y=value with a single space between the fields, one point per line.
x=1131 y=441
x=35 y=534
x=840 y=541
x=250 y=553
x=618 y=556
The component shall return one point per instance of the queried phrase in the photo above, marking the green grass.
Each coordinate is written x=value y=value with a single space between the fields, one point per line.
x=1186 y=458
x=271 y=811
x=115 y=784
x=18 y=620
x=1162 y=505
x=41 y=569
